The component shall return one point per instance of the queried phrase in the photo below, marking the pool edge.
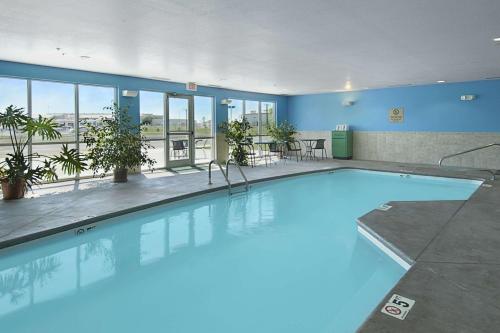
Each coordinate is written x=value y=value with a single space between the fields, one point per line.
x=34 y=236
x=388 y=248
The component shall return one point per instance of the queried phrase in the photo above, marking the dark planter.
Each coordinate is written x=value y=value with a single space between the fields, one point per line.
x=120 y=175
x=12 y=191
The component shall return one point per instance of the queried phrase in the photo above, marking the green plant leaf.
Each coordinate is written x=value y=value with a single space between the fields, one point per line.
x=48 y=171
x=13 y=117
x=16 y=164
x=70 y=160
x=115 y=143
x=46 y=128
x=237 y=133
x=283 y=132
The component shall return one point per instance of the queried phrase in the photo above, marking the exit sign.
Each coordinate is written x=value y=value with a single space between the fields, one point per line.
x=191 y=86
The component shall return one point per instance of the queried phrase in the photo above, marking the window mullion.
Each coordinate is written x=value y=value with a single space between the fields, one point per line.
x=259 y=122
x=30 y=113
x=76 y=123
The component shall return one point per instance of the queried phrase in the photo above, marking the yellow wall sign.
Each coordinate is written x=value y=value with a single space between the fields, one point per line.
x=396 y=115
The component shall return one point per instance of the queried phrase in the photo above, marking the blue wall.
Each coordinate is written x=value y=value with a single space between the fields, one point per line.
x=434 y=107
x=133 y=83
x=427 y=108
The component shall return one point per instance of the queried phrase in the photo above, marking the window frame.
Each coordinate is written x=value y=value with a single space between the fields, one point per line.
x=76 y=101
x=213 y=126
x=259 y=127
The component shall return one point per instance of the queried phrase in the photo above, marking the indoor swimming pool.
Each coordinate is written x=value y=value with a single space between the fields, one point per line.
x=285 y=257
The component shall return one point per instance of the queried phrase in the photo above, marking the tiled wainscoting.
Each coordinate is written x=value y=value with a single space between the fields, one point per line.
x=421 y=147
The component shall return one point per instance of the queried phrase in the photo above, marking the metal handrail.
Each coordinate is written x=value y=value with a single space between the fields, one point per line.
x=467 y=151
x=226 y=174
x=231 y=161
x=493 y=172
x=221 y=170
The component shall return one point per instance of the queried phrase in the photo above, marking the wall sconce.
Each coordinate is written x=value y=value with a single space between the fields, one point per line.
x=468 y=98
x=130 y=93
x=347 y=103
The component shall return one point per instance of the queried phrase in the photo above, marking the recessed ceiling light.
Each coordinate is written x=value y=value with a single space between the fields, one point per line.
x=441 y=81
x=496 y=40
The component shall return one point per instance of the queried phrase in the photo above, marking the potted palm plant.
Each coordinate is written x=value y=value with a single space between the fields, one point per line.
x=237 y=134
x=116 y=144
x=283 y=133
x=20 y=170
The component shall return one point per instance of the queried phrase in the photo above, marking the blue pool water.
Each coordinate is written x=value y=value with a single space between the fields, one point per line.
x=287 y=257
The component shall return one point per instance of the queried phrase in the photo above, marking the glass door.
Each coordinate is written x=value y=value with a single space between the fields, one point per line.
x=203 y=129
x=180 y=132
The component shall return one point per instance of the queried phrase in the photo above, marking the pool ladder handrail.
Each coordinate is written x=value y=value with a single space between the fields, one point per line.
x=226 y=174
x=493 y=172
x=231 y=161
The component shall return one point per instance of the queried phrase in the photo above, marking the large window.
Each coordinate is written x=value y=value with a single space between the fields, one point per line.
x=92 y=101
x=203 y=129
x=267 y=116
x=12 y=92
x=252 y=115
x=260 y=114
x=54 y=101
x=57 y=101
x=153 y=124
x=235 y=110
x=152 y=114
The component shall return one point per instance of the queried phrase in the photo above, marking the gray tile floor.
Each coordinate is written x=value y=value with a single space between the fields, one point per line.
x=455 y=280
x=409 y=226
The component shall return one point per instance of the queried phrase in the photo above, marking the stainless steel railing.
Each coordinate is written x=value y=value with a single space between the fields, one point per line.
x=231 y=161
x=467 y=151
x=221 y=170
x=226 y=173
x=493 y=172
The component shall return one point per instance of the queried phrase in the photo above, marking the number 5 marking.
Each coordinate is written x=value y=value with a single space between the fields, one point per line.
x=401 y=303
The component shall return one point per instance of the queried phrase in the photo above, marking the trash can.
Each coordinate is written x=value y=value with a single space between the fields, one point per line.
x=342 y=144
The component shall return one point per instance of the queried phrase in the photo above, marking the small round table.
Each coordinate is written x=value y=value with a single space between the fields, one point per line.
x=309 y=148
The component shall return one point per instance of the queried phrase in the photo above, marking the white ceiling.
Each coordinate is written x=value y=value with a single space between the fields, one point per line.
x=282 y=46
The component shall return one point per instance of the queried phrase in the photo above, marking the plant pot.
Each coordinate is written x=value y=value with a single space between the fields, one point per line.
x=12 y=191
x=120 y=175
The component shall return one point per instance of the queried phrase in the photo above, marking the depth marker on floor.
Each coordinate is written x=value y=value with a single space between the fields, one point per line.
x=384 y=207
x=398 y=307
